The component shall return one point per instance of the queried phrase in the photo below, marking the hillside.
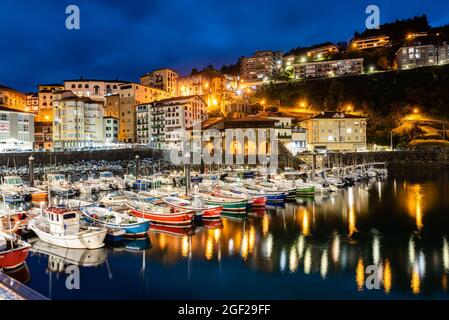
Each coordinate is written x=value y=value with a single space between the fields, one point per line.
x=386 y=97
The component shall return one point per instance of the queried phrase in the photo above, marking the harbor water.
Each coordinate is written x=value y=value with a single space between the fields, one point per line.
x=315 y=248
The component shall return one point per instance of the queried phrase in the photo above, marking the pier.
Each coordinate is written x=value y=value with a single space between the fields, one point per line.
x=11 y=289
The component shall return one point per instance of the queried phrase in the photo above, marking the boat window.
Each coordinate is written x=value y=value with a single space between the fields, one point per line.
x=69 y=216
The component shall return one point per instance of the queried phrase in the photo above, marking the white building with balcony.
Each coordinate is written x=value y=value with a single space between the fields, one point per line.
x=16 y=129
x=77 y=122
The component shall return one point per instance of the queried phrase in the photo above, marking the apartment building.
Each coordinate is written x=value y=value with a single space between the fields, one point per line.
x=335 y=131
x=112 y=106
x=95 y=89
x=132 y=95
x=163 y=79
x=12 y=98
x=331 y=68
x=421 y=56
x=206 y=82
x=17 y=126
x=261 y=67
x=110 y=129
x=323 y=51
x=32 y=102
x=46 y=95
x=43 y=135
x=160 y=124
x=144 y=134
x=216 y=89
x=370 y=42
x=78 y=122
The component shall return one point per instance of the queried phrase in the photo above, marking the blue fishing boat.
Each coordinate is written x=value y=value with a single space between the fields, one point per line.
x=272 y=197
x=13 y=197
x=134 y=227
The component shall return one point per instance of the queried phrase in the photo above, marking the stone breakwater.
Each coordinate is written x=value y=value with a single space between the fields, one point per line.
x=394 y=160
x=64 y=157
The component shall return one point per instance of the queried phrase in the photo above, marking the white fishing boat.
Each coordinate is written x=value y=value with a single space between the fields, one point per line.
x=108 y=178
x=59 y=186
x=62 y=227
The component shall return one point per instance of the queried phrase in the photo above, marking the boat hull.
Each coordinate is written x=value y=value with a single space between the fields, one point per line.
x=235 y=208
x=14 y=258
x=39 y=197
x=88 y=240
x=177 y=219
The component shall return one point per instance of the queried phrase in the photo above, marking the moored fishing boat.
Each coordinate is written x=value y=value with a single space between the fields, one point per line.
x=14 y=189
x=13 y=251
x=133 y=226
x=196 y=204
x=162 y=214
x=62 y=226
x=117 y=199
x=12 y=197
x=253 y=199
x=273 y=197
x=231 y=206
x=59 y=186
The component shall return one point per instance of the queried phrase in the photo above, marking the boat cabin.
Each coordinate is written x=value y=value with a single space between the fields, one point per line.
x=62 y=220
x=55 y=177
x=15 y=181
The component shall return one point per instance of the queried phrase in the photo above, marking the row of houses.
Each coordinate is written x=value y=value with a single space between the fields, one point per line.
x=80 y=122
x=265 y=66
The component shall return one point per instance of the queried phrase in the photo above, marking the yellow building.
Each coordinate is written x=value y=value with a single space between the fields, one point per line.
x=46 y=95
x=12 y=98
x=216 y=89
x=163 y=79
x=335 y=131
x=131 y=95
x=112 y=106
x=32 y=103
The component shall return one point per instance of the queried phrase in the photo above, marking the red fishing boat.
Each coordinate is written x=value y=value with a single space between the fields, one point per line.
x=162 y=215
x=13 y=251
x=202 y=210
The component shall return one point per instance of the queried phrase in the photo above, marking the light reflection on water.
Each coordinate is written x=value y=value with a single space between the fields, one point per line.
x=327 y=241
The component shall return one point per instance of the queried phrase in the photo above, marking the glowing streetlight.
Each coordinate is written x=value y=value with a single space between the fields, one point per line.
x=415 y=110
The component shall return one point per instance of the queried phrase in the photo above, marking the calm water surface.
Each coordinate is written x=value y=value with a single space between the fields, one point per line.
x=317 y=248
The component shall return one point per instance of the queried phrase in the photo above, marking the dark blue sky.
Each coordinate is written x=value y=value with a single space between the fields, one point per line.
x=125 y=38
